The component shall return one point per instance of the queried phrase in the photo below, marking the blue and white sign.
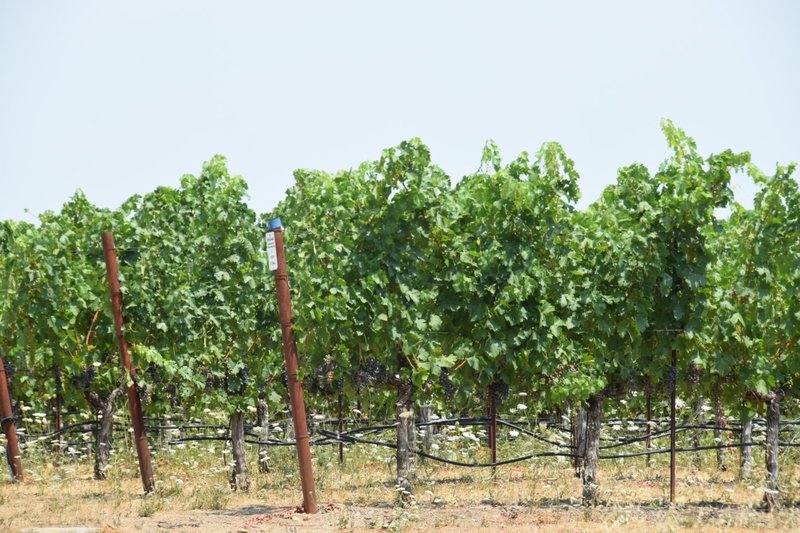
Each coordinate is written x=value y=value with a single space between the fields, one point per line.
x=272 y=252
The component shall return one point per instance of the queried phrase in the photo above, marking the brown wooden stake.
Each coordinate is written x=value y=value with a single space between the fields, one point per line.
x=9 y=427
x=142 y=449
x=292 y=365
x=672 y=441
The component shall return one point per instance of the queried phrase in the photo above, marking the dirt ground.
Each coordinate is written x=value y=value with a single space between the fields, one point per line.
x=631 y=505
x=467 y=518
x=463 y=518
x=193 y=495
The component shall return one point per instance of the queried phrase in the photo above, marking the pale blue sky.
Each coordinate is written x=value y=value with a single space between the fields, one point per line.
x=118 y=98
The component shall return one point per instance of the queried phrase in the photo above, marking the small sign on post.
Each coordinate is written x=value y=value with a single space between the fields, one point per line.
x=272 y=253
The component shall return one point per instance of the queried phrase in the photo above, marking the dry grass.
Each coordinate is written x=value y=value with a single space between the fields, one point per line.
x=193 y=494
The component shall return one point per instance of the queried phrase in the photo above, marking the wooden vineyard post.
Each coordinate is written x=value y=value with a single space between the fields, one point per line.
x=9 y=427
x=142 y=448
x=277 y=263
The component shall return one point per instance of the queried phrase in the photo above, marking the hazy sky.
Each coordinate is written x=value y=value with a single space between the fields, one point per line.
x=118 y=98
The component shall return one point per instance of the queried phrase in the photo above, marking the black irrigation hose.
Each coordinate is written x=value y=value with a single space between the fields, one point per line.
x=469 y=421
x=65 y=429
x=182 y=428
x=652 y=436
x=656 y=435
x=248 y=441
x=448 y=461
x=347 y=437
x=535 y=435
x=546 y=454
x=695 y=449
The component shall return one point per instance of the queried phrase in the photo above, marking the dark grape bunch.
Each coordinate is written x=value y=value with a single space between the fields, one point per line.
x=693 y=375
x=323 y=379
x=672 y=377
x=87 y=378
x=144 y=394
x=238 y=386
x=372 y=372
x=447 y=385
x=11 y=368
x=325 y=370
x=152 y=373
x=500 y=391
x=172 y=393
x=244 y=375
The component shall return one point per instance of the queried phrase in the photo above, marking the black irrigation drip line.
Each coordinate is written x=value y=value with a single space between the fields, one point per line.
x=470 y=421
x=695 y=449
x=464 y=421
x=184 y=428
x=562 y=429
x=329 y=438
x=373 y=429
x=365 y=432
x=535 y=435
x=712 y=426
x=449 y=461
x=65 y=429
x=248 y=441
x=657 y=435
x=349 y=437
x=498 y=463
x=652 y=436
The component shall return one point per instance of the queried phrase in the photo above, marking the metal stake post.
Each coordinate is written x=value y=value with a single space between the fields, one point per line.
x=9 y=427
x=142 y=449
x=277 y=262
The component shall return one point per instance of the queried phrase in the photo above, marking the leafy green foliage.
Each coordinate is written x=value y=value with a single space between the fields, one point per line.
x=398 y=276
x=198 y=292
x=56 y=311
x=753 y=316
x=361 y=249
x=505 y=295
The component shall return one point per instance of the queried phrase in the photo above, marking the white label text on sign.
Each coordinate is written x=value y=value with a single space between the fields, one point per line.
x=272 y=253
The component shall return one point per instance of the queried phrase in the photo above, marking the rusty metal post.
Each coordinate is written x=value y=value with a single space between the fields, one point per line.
x=9 y=427
x=142 y=449
x=673 y=378
x=277 y=262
